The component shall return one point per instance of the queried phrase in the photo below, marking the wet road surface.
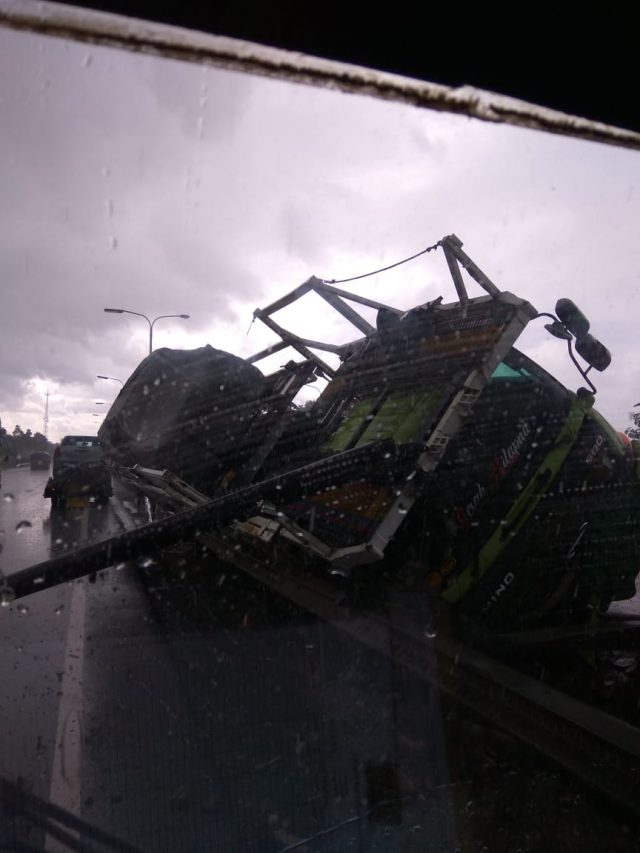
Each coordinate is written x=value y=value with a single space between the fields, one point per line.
x=209 y=717
x=172 y=734
x=42 y=639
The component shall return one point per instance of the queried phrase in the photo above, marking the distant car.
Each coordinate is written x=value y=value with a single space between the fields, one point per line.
x=79 y=472
x=40 y=460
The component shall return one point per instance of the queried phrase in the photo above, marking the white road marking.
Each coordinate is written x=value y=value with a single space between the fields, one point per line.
x=66 y=775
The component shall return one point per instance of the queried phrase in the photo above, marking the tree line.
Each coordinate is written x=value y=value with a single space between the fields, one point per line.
x=17 y=446
x=634 y=431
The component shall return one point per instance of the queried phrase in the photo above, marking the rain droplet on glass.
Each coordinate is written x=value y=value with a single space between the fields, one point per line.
x=6 y=596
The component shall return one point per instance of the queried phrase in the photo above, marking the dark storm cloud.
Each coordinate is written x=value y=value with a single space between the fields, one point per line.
x=207 y=103
x=133 y=182
x=93 y=179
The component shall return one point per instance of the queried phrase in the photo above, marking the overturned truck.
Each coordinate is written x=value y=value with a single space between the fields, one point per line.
x=436 y=451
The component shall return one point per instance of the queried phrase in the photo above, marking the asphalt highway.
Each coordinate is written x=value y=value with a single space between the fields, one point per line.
x=229 y=730
x=186 y=708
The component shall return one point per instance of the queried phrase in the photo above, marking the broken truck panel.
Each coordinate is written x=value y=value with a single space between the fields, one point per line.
x=437 y=453
x=414 y=386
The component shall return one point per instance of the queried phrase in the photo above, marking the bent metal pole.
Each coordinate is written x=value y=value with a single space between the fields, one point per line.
x=145 y=542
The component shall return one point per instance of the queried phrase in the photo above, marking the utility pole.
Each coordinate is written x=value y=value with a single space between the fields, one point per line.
x=45 y=425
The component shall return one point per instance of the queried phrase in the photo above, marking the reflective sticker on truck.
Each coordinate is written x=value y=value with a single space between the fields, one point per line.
x=499 y=591
x=502 y=462
x=597 y=446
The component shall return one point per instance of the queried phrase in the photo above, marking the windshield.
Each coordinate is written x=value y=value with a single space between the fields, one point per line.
x=355 y=567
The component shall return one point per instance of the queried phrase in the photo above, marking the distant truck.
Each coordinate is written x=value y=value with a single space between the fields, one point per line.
x=80 y=473
x=40 y=460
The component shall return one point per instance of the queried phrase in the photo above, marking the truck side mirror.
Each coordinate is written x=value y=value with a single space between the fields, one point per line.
x=572 y=317
x=593 y=352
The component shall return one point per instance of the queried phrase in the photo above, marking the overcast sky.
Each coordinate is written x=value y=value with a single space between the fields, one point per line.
x=140 y=183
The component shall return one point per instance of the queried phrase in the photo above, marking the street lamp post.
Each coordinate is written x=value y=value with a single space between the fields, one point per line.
x=150 y=322
x=100 y=376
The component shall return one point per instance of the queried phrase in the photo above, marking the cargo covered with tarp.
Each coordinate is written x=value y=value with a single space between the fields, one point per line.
x=183 y=410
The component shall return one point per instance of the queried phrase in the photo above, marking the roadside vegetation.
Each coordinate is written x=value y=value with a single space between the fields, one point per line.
x=17 y=446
